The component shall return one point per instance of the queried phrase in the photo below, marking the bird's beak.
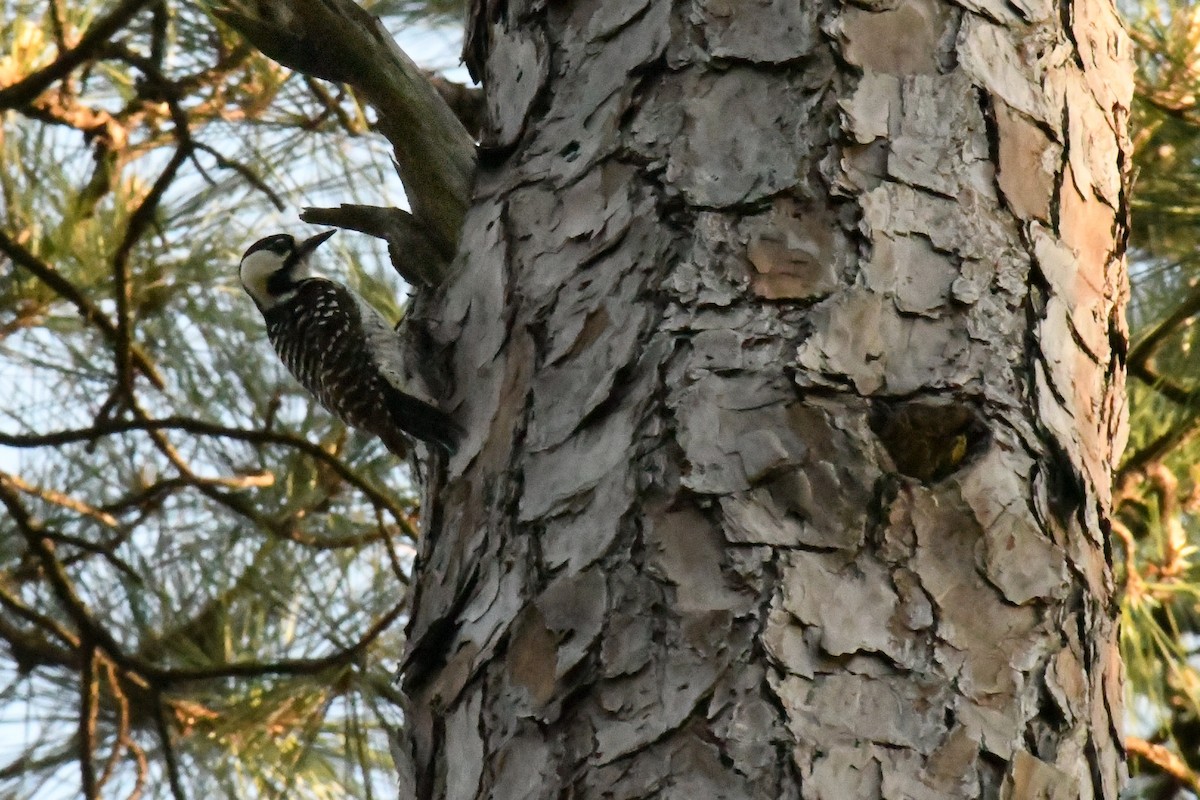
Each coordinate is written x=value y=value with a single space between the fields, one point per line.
x=308 y=245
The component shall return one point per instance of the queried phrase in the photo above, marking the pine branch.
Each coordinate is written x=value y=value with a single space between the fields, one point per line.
x=87 y=309
x=97 y=36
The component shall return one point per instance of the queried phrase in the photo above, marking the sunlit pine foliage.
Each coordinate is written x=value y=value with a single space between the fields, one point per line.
x=1157 y=489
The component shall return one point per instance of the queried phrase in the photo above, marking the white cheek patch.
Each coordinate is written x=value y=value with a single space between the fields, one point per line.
x=256 y=270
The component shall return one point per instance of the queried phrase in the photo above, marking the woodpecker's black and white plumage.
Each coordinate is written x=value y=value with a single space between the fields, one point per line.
x=339 y=347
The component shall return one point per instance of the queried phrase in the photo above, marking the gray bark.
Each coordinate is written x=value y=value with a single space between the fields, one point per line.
x=789 y=342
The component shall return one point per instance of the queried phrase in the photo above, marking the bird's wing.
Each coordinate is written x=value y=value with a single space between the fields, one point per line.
x=387 y=350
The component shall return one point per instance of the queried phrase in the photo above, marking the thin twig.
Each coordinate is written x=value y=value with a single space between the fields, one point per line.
x=121 y=740
x=1154 y=451
x=89 y=705
x=29 y=649
x=1168 y=388
x=69 y=292
x=247 y=174
x=102 y=549
x=58 y=499
x=45 y=623
x=1143 y=350
x=60 y=583
x=1135 y=586
x=91 y=630
x=200 y=427
x=58 y=25
x=390 y=547
x=331 y=105
x=1166 y=487
x=139 y=220
x=300 y=666
x=168 y=748
x=148 y=498
x=143 y=769
x=1165 y=760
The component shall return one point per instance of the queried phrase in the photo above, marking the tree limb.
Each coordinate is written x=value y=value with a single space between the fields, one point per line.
x=89 y=710
x=29 y=87
x=339 y=41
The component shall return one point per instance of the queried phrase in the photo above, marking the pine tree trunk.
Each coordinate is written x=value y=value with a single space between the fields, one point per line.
x=789 y=340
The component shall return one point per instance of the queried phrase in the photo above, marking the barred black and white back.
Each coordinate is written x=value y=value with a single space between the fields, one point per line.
x=339 y=347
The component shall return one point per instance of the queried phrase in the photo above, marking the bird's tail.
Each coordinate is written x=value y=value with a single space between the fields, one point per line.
x=423 y=421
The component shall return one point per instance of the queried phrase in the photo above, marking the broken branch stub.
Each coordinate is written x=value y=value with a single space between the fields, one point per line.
x=414 y=255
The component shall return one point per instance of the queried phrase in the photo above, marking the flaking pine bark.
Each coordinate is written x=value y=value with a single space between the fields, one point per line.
x=788 y=338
